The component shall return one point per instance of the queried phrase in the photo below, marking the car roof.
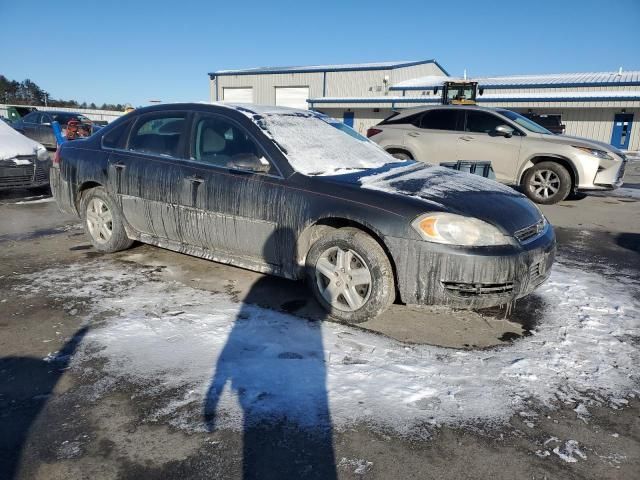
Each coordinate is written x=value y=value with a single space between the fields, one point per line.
x=61 y=112
x=412 y=111
x=244 y=108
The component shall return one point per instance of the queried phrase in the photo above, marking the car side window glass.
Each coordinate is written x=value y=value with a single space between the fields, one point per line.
x=45 y=119
x=482 y=122
x=222 y=143
x=33 y=117
x=158 y=134
x=116 y=137
x=445 y=119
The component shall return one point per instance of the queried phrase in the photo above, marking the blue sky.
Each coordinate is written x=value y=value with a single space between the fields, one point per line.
x=116 y=51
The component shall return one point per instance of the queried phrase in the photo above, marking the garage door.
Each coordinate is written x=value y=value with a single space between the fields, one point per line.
x=238 y=95
x=295 y=97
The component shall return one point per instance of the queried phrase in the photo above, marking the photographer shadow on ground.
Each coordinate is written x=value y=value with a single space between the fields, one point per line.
x=275 y=365
x=26 y=384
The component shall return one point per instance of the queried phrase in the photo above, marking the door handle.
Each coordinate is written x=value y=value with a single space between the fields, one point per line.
x=119 y=166
x=413 y=134
x=465 y=138
x=195 y=179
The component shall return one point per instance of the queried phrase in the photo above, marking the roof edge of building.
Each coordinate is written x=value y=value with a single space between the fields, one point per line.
x=324 y=68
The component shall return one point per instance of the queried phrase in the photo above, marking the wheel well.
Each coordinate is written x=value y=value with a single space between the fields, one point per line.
x=393 y=150
x=322 y=226
x=85 y=186
x=559 y=160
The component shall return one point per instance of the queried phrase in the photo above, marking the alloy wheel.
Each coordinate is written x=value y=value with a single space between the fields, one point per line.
x=99 y=220
x=343 y=278
x=545 y=184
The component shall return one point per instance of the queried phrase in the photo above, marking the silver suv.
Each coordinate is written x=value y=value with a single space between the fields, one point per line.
x=548 y=167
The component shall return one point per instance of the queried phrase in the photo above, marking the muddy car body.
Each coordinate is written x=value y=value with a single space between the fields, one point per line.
x=234 y=184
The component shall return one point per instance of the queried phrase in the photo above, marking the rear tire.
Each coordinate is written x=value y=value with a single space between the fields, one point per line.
x=103 y=221
x=547 y=183
x=350 y=275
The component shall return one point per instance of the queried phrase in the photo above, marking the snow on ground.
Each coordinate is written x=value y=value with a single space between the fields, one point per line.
x=171 y=340
x=28 y=201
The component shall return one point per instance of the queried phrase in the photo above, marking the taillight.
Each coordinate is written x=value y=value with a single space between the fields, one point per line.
x=373 y=131
x=56 y=157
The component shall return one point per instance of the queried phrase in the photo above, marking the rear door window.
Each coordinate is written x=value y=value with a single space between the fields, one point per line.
x=159 y=134
x=116 y=137
x=445 y=119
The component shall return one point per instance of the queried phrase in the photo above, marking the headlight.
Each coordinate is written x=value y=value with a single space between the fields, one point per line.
x=42 y=154
x=595 y=152
x=452 y=229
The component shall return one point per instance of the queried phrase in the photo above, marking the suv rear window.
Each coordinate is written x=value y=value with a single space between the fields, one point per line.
x=405 y=120
x=445 y=119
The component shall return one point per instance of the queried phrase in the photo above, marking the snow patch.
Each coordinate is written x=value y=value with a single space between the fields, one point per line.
x=318 y=145
x=569 y=451
x=437 y=182
x=168 y=338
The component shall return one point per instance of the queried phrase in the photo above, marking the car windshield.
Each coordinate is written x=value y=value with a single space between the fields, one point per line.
x=524 y=122
x=318 y=145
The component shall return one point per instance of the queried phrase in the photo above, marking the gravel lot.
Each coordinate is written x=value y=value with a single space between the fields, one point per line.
x=152 y=364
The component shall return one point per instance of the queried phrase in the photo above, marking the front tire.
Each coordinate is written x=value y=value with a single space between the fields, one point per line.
x=547 y=183
x=103 y=221
x=350 y=275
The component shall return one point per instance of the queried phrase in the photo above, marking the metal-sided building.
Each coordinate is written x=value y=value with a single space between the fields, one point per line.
x=294 y=86
x=601 y=106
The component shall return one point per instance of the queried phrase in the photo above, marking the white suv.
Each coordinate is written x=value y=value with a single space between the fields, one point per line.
x=548 y=167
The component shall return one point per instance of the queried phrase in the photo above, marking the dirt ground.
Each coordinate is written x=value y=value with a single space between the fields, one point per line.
x=58 y=420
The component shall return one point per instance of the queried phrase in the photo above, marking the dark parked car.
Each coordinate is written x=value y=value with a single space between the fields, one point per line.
x=37 y=125
x=551 y=122
x=297 y=194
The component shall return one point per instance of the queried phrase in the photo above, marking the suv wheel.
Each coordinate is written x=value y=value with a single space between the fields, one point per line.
x=350 y=275
x=547 y=183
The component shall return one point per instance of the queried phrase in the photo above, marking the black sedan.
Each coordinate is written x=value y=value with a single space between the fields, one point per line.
x=297 y=194
x=37 y=125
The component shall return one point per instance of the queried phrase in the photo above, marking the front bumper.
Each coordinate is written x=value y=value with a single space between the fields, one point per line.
x=470 y=278
x=607 y=178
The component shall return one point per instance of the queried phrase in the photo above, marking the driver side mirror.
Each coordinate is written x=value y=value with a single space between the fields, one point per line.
x=250 y=162
x=503 y=131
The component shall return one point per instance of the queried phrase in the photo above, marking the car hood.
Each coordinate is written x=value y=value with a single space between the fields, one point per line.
x=457 y=192
x=581 y=142
x=14 y=144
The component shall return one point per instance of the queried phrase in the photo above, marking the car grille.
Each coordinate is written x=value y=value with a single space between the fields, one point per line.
x=41 y=174
x=19 y=175
x=537 y=270
x=531 y=232
x=474 y=289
